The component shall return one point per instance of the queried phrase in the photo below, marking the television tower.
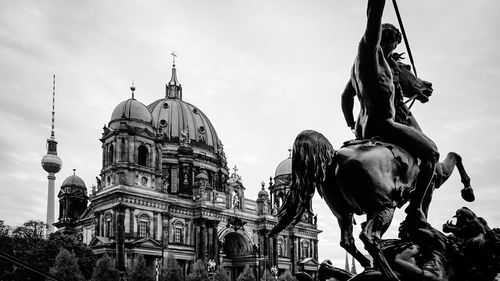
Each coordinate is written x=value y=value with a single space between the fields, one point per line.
x=52 y=164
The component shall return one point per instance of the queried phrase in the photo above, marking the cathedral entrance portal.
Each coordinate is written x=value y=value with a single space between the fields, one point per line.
x=236 y=253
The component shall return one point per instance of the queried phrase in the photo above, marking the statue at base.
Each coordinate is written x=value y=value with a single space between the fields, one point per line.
x=471 y=252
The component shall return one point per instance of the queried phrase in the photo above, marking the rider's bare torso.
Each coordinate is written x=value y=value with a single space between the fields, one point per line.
x=372 y=76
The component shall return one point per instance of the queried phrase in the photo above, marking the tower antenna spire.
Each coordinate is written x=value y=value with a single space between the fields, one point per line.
x=52 y=134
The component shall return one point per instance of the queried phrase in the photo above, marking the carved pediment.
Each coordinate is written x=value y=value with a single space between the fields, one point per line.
x=309 y=262
x=100 y=241
x=147 y=242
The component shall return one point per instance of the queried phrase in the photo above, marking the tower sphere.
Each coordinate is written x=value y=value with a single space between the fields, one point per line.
x=51 y=163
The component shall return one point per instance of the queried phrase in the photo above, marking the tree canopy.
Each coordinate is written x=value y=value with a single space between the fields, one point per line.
x=105 y=270
x=66 y=267
x=140 y=271
x=199 y=272
x=287 y=276
x=27 y=243
x=172 y=270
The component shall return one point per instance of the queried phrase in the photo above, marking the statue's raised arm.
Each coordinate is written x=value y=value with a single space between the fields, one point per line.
x=373 y=31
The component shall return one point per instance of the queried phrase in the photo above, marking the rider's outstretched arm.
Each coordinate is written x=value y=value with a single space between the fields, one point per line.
x=348 y=104
x=373 y=30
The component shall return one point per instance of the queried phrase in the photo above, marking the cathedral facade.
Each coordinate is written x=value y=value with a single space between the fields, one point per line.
x=165 y=187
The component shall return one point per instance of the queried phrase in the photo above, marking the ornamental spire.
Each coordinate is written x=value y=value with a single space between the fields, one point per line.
x=174 y=88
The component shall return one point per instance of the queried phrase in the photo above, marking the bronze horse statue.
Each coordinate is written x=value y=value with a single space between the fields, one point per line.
x=362 y=177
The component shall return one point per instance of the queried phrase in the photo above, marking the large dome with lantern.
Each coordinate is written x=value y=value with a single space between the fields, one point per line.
x=175 y=118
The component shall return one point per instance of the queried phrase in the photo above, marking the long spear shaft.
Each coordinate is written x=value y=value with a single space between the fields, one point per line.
x=395 y=4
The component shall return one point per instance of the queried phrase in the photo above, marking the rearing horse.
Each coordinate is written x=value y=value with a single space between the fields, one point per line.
x=367 y=177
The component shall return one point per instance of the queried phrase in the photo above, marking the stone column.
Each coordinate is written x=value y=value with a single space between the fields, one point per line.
x=116 y=146
x=274 y=242
x=154 y=235
x=101 y=224
x=120 y=237
x=213 y=240
x=132 y=225
x=293 y=257
x=131 y=151
x=104 y=149
x=126 y=152
x=127 y=220
x=118 y=149
x=316 y=250
x=166 y=217
x=97 y=225
x=200 y=238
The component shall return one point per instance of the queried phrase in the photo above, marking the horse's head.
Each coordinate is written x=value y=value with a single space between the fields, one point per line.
x=413 y=86
x=467 y=224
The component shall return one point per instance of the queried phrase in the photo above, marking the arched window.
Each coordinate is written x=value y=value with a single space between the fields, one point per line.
x=143 y=224
x=305 y=249
x=111 y=154
x=178 y=232
x=142 y=157
x=108 y=225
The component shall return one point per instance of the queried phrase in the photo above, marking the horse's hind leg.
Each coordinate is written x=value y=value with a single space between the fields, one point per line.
x=347 y=240
x=376 y=225
x=445 y=169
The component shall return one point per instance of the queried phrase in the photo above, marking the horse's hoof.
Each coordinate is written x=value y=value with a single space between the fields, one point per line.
x=468 y=194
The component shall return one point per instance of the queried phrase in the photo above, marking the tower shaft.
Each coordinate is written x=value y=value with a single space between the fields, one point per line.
x=50 y=203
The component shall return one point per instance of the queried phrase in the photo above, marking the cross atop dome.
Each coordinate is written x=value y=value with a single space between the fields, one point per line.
x=234 y=177
x=174 y=55
x=173 y=88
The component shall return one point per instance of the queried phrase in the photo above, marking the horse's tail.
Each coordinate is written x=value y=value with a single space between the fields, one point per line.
x=311 y=157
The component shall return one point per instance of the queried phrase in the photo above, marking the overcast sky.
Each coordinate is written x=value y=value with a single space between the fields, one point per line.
x=262 y=71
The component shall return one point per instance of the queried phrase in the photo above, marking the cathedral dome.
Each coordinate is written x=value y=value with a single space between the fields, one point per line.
x=284 y=168
x=131 y=109
x=75 y=181
x=172 y=116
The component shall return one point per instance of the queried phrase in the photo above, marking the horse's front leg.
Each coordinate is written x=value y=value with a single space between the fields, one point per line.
x=445 y=169
x=347 y=240
x=375 y=227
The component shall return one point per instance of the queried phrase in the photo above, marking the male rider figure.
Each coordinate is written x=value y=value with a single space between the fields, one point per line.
x=372 y=81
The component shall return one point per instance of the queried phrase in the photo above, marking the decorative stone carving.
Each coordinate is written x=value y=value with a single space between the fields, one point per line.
x=184 y=138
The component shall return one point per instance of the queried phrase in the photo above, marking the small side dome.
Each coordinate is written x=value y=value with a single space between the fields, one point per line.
x=131 y=109
x=284 y=168
x=74 y=181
